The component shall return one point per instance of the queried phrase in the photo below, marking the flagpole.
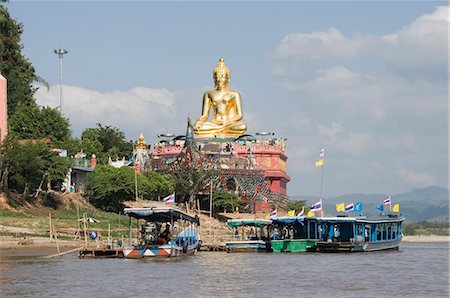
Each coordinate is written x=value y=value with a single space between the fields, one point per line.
x=321 y=189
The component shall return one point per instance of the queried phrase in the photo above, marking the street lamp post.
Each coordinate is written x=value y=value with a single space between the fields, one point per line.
x=60 y=53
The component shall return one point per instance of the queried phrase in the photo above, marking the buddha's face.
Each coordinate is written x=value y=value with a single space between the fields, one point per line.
x=221 y=79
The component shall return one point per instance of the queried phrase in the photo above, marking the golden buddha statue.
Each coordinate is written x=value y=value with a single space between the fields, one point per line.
x=226 y=106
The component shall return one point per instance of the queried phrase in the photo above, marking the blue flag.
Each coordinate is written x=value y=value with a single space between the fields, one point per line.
x=358 y=207
x=380 y=207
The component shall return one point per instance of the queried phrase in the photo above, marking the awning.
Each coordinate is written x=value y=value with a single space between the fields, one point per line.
x=155 y=214
x=260 y=223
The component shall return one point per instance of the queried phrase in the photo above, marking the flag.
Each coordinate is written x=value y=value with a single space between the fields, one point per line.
x=340 y=207
x=302 y=212
x=358 y=207
x=322 y=153
x=170 y=199
x=319 y=163
x=273 y=214
x=387 y=201
x=396 y=208
x=310 y=213
x=380 y=207
x=349 y=207
x=317 y=206
x=291 y=213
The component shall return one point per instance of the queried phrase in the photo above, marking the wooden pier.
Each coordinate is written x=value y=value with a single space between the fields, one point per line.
x=212 y=247
x=100 y=253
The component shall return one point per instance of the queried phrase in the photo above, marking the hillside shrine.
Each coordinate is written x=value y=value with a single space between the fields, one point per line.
x=254 y=169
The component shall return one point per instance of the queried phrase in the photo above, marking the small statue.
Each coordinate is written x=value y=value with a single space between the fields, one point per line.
x=226 y=106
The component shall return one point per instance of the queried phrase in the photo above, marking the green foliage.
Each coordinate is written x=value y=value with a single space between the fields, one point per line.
x=105 y=142
x=426 y=228
x=33 y=122
x=226 y=201
x=24 y=167
x=13 y=65
x=108 y=187
x=297 y=205
x=189 y=181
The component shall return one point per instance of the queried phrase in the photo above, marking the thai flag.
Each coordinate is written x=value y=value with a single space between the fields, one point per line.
x=301 y=213
x=169 y=199
x=349 y=207
x=387 y=201
x=317 y=206
x=273 y=214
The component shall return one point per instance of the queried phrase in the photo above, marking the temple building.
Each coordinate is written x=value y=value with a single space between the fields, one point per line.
x=253 y=169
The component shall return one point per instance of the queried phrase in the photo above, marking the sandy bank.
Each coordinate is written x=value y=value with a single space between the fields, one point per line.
x=33 y=246
x=428 y=238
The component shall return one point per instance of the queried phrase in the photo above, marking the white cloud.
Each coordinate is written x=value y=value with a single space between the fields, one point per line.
x=417 y=178
x=137 y=108
x=377 y=103
x=420 y=48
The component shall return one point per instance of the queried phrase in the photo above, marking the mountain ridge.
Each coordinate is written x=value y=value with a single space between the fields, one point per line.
x=419 y=204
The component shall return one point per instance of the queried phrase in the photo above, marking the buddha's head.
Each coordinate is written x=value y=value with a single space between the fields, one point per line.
x=221 y=75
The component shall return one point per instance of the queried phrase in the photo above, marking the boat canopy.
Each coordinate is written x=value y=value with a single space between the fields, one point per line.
x=155 y=214
x=363 y=219
x=288 y=219
x=256 y=222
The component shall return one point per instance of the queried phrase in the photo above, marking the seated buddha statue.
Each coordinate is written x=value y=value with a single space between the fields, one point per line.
x=226 y=106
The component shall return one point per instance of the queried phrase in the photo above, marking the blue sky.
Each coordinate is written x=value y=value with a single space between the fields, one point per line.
x=367 y=81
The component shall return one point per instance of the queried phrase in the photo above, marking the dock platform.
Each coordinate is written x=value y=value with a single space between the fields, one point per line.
x=100 y=253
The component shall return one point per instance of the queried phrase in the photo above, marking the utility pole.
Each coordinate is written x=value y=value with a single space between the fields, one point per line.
x=60 y=53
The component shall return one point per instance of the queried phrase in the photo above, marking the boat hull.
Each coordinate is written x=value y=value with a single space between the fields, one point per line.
x=161 y=251
x=293 y=245
x=334 y=247
x=246 y=246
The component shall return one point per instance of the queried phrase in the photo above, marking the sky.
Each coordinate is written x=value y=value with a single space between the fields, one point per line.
x=367 y=81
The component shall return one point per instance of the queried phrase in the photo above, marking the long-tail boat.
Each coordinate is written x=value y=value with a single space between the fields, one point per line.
x=256 y=241
x=156 y=233
x=359 y=234
x=294 y=234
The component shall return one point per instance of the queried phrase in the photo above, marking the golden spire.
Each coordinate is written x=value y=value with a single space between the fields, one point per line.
x=141 y=143
x=222 y=67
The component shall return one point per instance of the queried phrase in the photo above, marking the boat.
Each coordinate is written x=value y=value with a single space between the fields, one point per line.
x=156 y=233
x=255 y=241
x=294 y=234
x=360 y=234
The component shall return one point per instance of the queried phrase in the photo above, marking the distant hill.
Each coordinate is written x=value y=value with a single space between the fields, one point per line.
x=430 y=203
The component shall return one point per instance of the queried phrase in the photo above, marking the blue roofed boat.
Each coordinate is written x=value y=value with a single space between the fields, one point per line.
x=257 y=240
x=156 y=233
x=294 y=234
x=359 y=234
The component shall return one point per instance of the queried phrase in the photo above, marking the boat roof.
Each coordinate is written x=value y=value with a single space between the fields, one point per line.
x=159 y=214
x=364 y=219
x=288 y=219
x=255 y=222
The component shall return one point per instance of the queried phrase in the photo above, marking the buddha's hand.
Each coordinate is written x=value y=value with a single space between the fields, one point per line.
x=198 y=124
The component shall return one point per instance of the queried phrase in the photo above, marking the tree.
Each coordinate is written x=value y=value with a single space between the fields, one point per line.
x=14 y=66
x=25 y=166
x=108 y=187
x=34 y=122
x=108 y=141
x=226 y=201
x=297 y=205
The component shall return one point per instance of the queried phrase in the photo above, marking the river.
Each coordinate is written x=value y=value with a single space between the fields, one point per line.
x=416 y=270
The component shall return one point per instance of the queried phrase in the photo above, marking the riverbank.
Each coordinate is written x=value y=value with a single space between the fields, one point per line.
x=426 y=238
